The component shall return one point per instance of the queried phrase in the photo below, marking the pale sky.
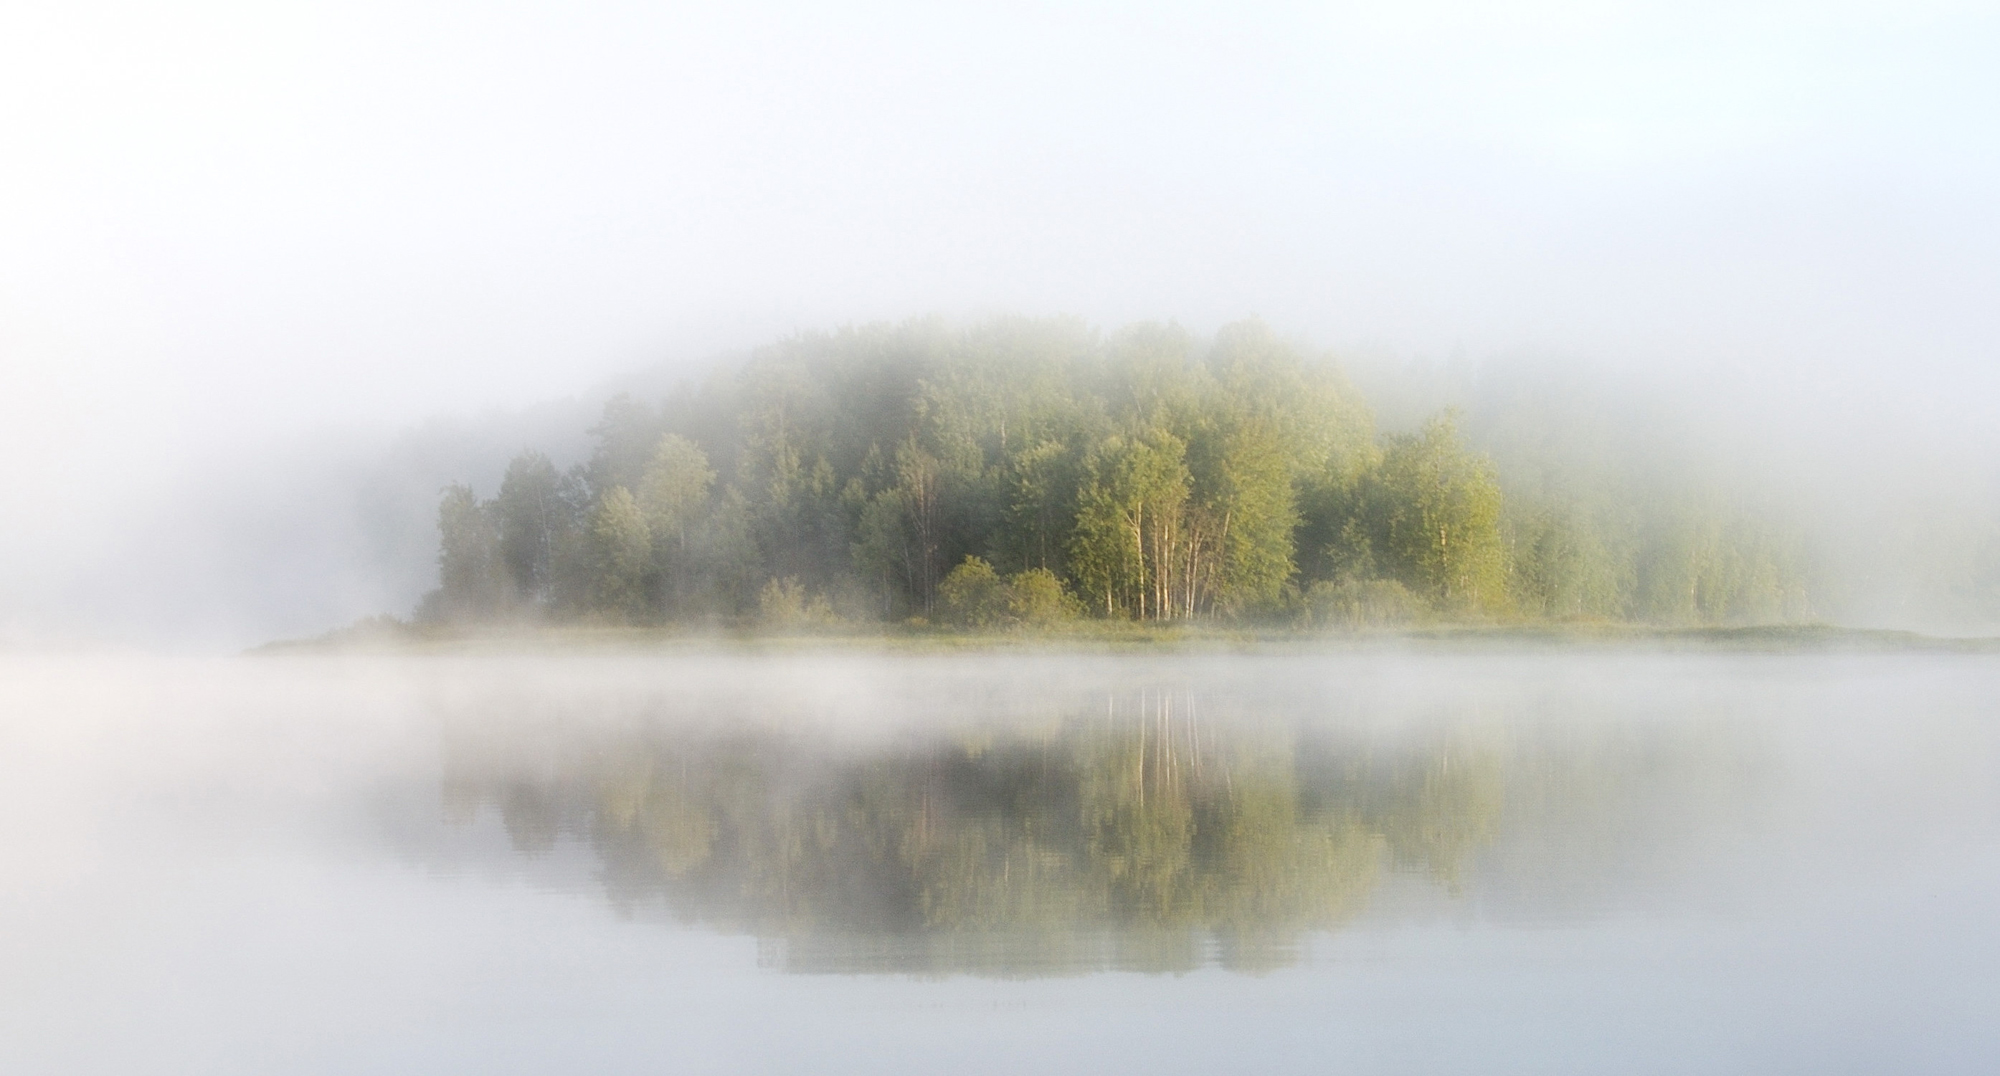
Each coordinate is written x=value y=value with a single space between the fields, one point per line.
x=223 y=224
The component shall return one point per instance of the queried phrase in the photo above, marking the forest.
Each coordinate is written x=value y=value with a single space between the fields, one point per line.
x=1025 y=474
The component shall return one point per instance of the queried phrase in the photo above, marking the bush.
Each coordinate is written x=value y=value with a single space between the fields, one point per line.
x=784 y=603
x=1038 y=599
x=1359 y=603
x=973 y=595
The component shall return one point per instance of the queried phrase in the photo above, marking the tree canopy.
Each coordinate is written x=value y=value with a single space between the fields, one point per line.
x=1141 y=475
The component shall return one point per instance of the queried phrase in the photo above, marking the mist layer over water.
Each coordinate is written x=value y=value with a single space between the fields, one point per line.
x=729 y=862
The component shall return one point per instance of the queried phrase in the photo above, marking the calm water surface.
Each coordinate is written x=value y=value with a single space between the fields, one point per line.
x=1368 y=862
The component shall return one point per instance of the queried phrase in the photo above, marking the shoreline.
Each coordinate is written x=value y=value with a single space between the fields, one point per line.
x=382 y=636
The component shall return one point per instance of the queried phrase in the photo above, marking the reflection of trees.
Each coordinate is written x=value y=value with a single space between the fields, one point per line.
x=1144 y=841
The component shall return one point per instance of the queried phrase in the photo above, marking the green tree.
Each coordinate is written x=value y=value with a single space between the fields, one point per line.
x=1106 y=547
x=626 y=437
x=674 y=489
x=785 y=603
x=727 y=551
x=1561 y=566
x=920 y=491
x=973 y=595
x=1439 y=510
x=624 y=547
x=884 y=549
x=674 y=496
x=1042 y=509
x=1036 y=597
x=1246 y=514
x=1132 y=542
x=534 y=514
x=472 y=580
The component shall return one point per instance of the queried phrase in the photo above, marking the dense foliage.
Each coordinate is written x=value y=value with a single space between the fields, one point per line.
x=1026 y=472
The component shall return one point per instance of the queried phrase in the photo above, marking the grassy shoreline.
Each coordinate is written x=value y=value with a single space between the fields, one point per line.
x=391 y=636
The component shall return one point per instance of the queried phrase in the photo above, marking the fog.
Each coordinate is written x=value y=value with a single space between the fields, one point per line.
x=502 y=862
x=256 y=265
x=1043 y=538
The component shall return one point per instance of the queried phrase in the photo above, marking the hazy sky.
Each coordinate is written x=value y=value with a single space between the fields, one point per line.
x=222 y=223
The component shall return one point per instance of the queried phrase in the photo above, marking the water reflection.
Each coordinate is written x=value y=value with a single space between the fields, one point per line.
x=1130 y=835
x=1731 y=864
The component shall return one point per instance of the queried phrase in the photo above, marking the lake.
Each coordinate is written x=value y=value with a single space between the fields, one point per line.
x=1369 y=860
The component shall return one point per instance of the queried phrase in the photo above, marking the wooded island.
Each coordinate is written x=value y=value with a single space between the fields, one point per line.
x=1030 y=472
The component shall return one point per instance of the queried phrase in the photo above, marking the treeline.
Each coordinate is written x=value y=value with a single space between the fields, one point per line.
x=1027 y=471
